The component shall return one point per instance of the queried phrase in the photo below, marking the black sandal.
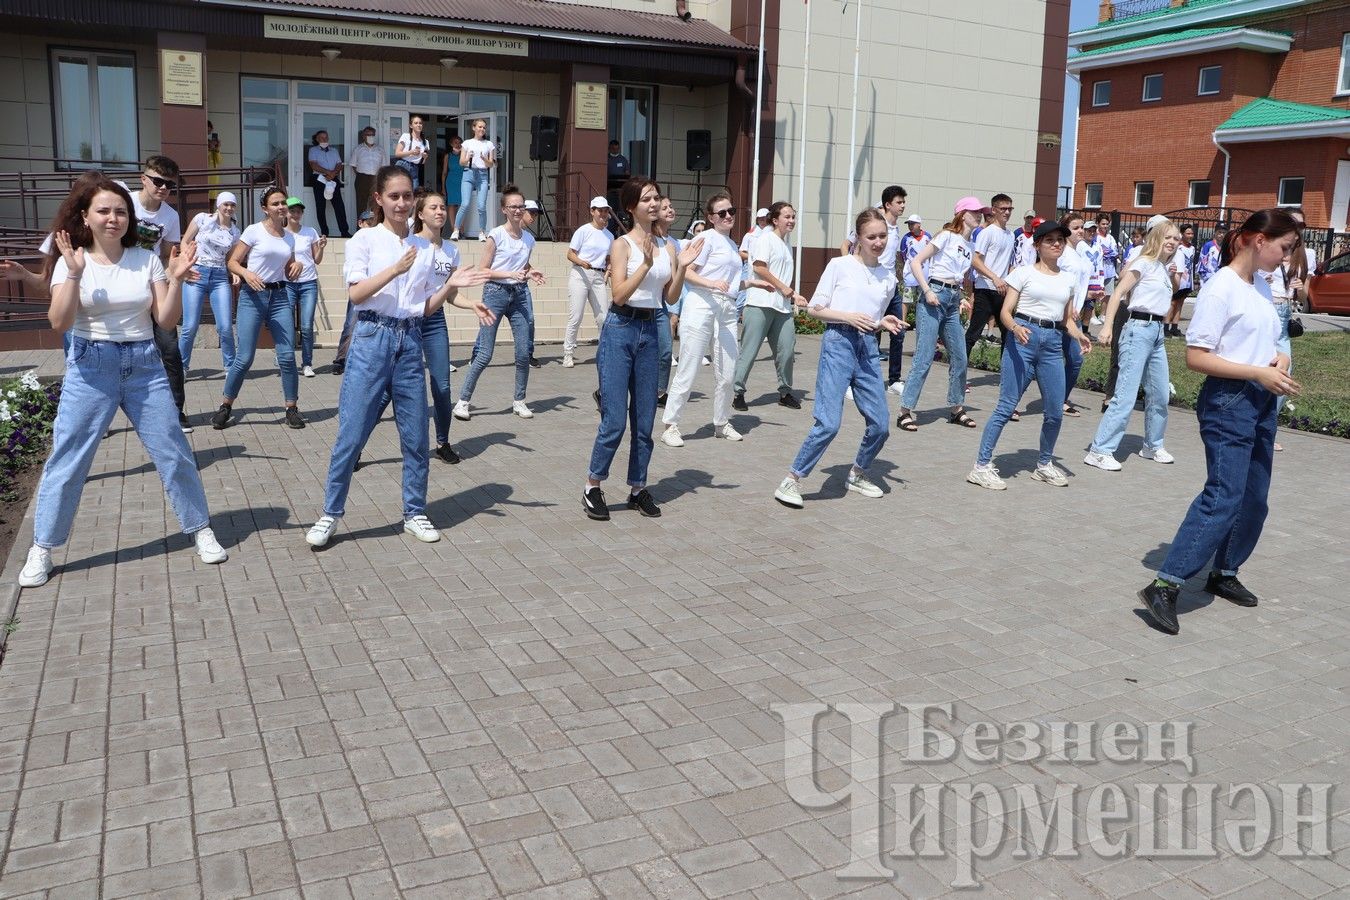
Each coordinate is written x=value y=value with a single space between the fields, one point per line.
x=906 y=422
x=1071 y=411
x=960 y=418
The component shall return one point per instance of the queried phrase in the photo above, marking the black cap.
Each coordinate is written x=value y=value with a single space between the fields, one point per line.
x=1048 y=228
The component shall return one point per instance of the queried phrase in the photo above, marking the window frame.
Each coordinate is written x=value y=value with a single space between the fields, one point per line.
x=70 y=162
x=1190 y=192
x=1087 y=194
x=1200 y=81
x=1279 y=193
x=1095 y=86
x=1143 y=93
x=1343 y=79
x=1151 y=188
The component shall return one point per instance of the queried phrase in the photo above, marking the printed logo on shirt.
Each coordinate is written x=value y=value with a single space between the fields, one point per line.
x=148 y=234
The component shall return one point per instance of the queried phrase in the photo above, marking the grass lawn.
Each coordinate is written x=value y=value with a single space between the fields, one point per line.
x=1321 y=366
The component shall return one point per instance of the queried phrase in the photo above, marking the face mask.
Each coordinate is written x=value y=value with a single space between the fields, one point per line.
x=323 y=145
x=370 y=139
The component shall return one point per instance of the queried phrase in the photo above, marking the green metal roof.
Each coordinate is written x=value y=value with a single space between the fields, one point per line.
x=1161 y=13
x=1156 y=39
x=1264 y=112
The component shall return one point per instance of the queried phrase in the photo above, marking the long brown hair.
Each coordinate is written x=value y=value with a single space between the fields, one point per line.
x=422 y=198
x=1272 y=223
x=70 y=218
x=382 y=178
x=70 y=208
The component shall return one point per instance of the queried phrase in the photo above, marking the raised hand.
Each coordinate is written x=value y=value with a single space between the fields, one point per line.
x=892 y=324
x=181 y=260
x=485 y=315
x=465 y=278
x=688 y=254
x=405 y=261
x=647 y=249
x=74 y=256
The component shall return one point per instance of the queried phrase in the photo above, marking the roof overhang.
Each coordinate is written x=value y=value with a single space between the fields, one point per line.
x=1142 y=26
x=1339 y=128
x=1237 y=39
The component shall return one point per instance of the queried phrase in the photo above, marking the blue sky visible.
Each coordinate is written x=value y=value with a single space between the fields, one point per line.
x=1082 y=13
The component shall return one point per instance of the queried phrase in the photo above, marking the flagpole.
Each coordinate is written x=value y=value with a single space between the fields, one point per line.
x=853 y=126
x=801 y=150
x=759 y=118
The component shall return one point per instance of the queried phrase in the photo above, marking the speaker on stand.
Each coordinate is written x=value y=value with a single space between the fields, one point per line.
x=543 y=148
x=698 y=159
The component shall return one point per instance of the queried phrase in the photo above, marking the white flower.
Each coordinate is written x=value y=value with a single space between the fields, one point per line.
x=5 y=414
x=30 y=380
x=13 y=395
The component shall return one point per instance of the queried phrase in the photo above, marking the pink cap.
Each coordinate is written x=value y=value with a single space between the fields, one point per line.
x=971 y=204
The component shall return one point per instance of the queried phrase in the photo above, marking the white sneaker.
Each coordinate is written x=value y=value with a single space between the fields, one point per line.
x=37 y=569
x=705 y=362
x=321 y=531
x=482 y=236
x=848 y=392
x=421 y=528
x=454 y=235
x=789 y=493
x=461 y=410
x=568 y=361
x=1098 y=320
x=897 y=388
x=859 y=482
x=454 y=368
x=1159 y=455
x=726 y=431
x=1050 y=474
x=1101 y=461
x=519 y=408
x=308 y=372
x=986 y=477
x=208 y=548
x=1172 y=391
x=671 y=436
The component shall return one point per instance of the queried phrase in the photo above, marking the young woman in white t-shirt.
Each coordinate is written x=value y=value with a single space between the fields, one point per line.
x=394 y=280
x=1147 y=285
x=770 y=312
x=506 y=258
x=477 y=156
x=588 y=253
x=410 y=153
x=1233 y=341
x=108 y=293
x=304 y=288
x=851 y=299
x=939 y=315
x=1183 y=266
x=1036 y=312
x=214 y=234
x=264 y=260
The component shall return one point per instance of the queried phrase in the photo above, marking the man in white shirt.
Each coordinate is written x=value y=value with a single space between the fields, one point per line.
x=992 y=261
x=366 y=161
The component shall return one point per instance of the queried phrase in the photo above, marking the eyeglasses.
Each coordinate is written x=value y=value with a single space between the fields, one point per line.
x=515 y=206
x=725 y=213
x=158 y=182
x=1006 y=209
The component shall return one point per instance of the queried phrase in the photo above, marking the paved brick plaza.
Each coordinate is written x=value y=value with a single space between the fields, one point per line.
x=546 y=706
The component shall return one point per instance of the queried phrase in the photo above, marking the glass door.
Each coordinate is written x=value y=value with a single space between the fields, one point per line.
x=494 y=205
x=337 y=125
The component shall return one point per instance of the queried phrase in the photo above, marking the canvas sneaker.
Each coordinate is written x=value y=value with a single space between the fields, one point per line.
x=859 y=482
x=986 y=477
x=37 y=569
x=789 y=493
x=1101 y=461
x=1050 y=474
x=321 y=531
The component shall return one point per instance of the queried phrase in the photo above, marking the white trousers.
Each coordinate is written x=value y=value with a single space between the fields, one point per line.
x=584 y=285
x=706 y=316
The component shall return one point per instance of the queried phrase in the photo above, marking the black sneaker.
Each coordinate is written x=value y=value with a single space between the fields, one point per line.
x=1161 y=602
x=642 y=501
x=738 y=403
x=448 y=454
x=535 y=363
x=661 y=399
x=221 y=419
x=338 y=367
x=596 y=395
x=356 y=466
x=183 y=422
x=593 y=501
x=1229 y=588
x=293 y=419
x=789 y=401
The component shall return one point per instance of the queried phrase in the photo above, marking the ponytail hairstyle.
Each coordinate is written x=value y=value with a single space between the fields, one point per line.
x=511 y=190
x=957 y=224
x=1271 y=223
x=1153 y=240
x=267 y=195
x=422 y=198
x=382 y=179
x=631 y=194
x=871 y=214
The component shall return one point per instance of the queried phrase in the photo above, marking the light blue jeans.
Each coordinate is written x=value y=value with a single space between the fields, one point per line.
x=848 y=358
x=507 y=301
x=625 y=364
x=215 y=284
x=1284 y=345
x=273 y=307
x=1041 y=358
x=1143 y=358
x=475 y=181
x=101 y=378
x=385 y=360
x=942 y=320
x=305 y=295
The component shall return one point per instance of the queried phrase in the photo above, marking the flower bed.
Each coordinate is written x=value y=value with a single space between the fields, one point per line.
x=27 y=409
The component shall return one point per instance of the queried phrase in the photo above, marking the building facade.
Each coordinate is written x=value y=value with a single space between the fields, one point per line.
x=1215 y=103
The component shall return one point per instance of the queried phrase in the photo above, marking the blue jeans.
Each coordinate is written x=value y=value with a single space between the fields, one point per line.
x=385 y=361
x=1143 y=357
x=214 y=283
x=272 y=307
x=665 y=349
x=1237 y=425
x=507 y=301
x=626 y=365
x=896 y=360
x=305 y=295
x=1283 y=345
x=474 y=181
x=848 y=358
x=436 y=353
x=1073 y=364
x=943 y=320
x=1041 y=358
x=102 y=377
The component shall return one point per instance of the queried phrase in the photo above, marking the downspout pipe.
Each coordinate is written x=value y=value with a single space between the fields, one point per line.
x=1227 y=160
x=740 y=80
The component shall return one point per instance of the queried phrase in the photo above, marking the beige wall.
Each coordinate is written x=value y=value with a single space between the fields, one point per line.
x=948 y=99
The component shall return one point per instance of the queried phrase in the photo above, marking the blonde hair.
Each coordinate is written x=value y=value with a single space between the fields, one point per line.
x=1153 y=241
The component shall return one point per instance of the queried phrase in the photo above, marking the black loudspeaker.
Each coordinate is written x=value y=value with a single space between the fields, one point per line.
x=698 y=150
x=544 y=138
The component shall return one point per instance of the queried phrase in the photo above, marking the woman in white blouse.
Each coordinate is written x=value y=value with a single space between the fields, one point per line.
x=477 y=156
x=214 y=234
x=410 y=154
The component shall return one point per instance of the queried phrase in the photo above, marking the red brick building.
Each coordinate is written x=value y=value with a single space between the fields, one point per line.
x=1200 y=103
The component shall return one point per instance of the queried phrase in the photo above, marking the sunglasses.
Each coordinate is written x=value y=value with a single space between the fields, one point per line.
x=160 y=183
x=725 y=213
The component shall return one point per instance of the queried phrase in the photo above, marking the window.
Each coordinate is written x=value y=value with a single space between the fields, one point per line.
x=1152 y=87
x=266 y=127
x=632 y=122
x=322 y=90
x=1143 y=193
x=1092 y=194
x=1209 y=80
x=1343 y=83
x=1199 y=194
x=95 y=107
x=1101 y=93
x=265 y=88
x=1291 y=192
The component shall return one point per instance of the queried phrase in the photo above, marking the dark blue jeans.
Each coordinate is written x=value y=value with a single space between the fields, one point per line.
x=665 y=350
x=256 y=308
x=626 y=365
x=1041 y=358
x=1237 y=425
x=895 y=361
x=507 y=301
x=436 y=354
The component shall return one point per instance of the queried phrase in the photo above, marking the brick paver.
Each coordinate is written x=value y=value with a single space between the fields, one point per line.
x=544 y=706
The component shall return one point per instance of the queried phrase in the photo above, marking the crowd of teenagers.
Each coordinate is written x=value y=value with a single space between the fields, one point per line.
x=128 y=290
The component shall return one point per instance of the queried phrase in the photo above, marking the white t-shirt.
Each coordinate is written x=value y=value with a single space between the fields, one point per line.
x=910 y=246
x=479 y=152
x=1184 y=260
x=592 y=245
x=1133 y=251
x=447 y=261
x=1153 y=293
x=849 y=286
x=419 y=145
x=769 y=248
x=154 y=228
x=511 y=254
x=1024 y=249
x=267 y=254
x=718 y=260
x=1042 y=296
x=372 y=250
x=114 y=300
x=886 y=258
x=996 y=246
x=304 y=253
x=1110 y=253
x=214 y=241
x=952 y=260
x=1082 y=269
x=1235 y=320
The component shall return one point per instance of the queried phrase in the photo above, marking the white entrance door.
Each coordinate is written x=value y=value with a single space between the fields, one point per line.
x=494 y=205
x=338 y=125
x=1340 y=198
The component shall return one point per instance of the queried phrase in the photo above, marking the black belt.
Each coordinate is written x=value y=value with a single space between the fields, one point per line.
x=940 y=283
x=400 y=324
x=590 y=268
x=1145 y=317
x=640 y=313
x=273 y=285
x=1044 y=323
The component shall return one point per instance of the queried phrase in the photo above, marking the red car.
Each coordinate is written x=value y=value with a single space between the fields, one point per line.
x=1329 y=287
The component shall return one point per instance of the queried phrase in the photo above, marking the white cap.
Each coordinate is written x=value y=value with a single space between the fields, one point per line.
x=762 y=212
x=914 y=220
x=1155 y=221
x=226 y=197
x=599 y=203
x=530 y=204
x=1029 y=214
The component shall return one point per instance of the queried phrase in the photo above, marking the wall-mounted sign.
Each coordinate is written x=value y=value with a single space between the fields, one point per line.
x=180 y=77
x=332 y=31
x=590 y=104
x=1049 y=140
